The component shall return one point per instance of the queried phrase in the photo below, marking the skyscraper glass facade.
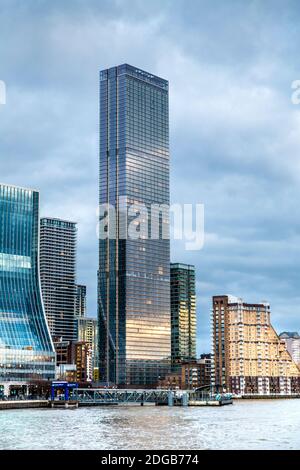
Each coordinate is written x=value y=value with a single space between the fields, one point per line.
x=80 y=301
x=134 y=275
x=183 y=314
x=26 y=350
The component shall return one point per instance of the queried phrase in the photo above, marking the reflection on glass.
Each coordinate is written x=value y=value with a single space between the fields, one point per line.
x=26 y=351
x=134 y=275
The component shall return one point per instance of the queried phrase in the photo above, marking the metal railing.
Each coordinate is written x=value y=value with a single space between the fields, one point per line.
x=90 y=396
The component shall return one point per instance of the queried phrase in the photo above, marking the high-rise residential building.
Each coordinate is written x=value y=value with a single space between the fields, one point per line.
x=88 y=332
x=134 y=273
x=26 y=349
x=248 y=356
x=80 y=301
x=183 y=314
x=58 y=278
x=292 y=344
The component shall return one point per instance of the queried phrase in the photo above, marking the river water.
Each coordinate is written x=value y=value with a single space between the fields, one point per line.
x=257 y=424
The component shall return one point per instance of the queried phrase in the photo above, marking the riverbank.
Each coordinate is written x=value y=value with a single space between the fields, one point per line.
x=27 y=404
x=23 y=404
x=31 y=404
x=269 y=397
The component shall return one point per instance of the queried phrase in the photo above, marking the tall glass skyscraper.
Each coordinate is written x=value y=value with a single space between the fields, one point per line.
x=183 y=314
x=134 y=275
x=26 y=350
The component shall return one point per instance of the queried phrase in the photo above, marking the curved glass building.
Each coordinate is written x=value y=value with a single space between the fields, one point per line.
x=26 y=350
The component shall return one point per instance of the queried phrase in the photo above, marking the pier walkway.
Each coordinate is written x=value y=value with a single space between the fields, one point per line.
x=105 y=396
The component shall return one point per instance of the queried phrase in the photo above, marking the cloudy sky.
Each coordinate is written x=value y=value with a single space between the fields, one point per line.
x=235 y=134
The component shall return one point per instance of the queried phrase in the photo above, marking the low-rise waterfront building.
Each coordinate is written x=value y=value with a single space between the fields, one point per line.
x=248 y=357
x=192 y=375
x=196 y=374
x=172 y=381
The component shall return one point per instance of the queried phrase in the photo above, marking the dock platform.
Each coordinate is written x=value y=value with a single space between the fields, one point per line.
x=22 y=404
x=210 y=402
x=63 y=404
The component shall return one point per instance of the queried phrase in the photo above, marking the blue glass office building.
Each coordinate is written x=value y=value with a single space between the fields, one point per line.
x=134 y=275
x=26 y=350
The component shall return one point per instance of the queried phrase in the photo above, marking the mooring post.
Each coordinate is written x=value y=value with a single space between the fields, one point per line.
x=185 y=399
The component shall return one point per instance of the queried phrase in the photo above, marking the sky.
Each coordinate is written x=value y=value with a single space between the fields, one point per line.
x=234 y=131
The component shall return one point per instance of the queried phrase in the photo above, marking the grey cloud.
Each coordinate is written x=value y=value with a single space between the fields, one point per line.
x=234 y=132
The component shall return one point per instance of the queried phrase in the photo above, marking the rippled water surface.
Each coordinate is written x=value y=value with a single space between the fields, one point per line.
x=261 y=424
